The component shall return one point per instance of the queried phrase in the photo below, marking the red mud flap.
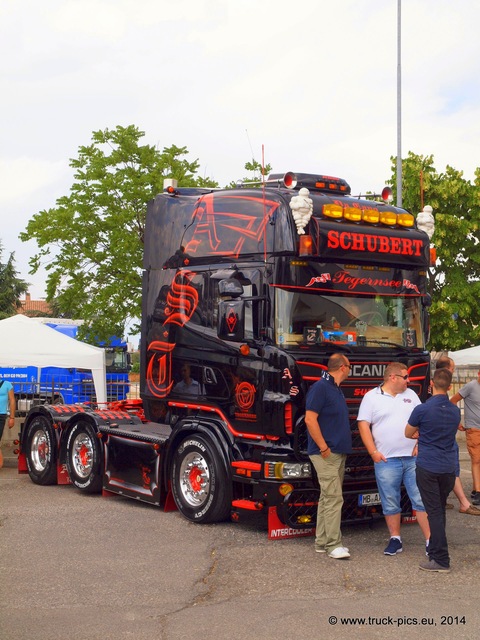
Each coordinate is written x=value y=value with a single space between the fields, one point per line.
x=22 y=463
x=169 y=501
x=62 y=474
x=277 y=530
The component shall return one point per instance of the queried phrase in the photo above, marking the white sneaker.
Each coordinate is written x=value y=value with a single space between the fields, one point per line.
x=339 y=553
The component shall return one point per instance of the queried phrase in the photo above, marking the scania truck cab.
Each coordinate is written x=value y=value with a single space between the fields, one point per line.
x=246 y=294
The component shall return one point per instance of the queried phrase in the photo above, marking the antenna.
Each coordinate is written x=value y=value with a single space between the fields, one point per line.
x=251 y=151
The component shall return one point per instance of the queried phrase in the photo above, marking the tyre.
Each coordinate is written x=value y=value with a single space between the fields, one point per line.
x=199 y=482
x=84 y=458
x=41 y=451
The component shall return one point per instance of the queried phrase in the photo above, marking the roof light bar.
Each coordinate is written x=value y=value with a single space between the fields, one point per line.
x=365 y=214
x=315 y=182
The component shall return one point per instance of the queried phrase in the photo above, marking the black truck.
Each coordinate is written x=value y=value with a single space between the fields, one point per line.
x=246 y=294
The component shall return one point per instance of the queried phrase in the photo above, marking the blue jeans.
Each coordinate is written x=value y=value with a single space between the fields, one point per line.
x=390 y=475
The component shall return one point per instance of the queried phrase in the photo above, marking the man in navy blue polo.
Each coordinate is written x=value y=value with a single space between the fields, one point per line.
x=435 y=423
x=329 y=442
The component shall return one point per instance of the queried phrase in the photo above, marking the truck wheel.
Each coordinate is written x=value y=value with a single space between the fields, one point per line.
x=41 y=451
x=199 y=483
x=84 y=458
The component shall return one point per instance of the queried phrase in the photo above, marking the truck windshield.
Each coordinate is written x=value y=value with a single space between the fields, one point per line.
x=116 y=360
x=310 y=318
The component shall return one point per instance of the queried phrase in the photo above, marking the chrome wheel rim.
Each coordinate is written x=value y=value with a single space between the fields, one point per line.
x=82 y=455
x=40 y=450
x=194 y=479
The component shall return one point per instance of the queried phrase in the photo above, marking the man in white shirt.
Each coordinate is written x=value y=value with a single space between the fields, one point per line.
x=382 y=417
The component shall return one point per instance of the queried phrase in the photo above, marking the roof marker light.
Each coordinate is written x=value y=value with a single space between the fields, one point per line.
x=305 y=245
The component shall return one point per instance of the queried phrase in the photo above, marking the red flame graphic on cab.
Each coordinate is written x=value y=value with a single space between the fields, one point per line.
x=229 y=224
x=159 y=368
x=182 y=299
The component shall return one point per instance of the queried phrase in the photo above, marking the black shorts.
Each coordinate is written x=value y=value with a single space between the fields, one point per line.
x=3 y=419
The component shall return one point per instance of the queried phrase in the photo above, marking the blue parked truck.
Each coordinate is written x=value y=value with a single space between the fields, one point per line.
x=56 y=385
x=246 y=294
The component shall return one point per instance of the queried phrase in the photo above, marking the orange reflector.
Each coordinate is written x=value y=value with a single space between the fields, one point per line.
x=305 y=247
x=285 y=489
x=305 y=519
x=244 y=349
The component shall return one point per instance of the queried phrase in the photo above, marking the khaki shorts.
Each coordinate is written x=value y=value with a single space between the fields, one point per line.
x=473 y=444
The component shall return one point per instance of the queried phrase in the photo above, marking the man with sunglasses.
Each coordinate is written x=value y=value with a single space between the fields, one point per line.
x=382 y=416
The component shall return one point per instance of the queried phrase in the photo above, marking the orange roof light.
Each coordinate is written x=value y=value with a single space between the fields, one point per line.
x=333 y=210
x=370 y=215
x=352 y=213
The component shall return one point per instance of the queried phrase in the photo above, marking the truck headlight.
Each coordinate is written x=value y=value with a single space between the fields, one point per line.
x=288 y=470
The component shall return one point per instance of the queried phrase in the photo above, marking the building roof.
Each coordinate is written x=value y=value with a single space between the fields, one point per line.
x=34 y=307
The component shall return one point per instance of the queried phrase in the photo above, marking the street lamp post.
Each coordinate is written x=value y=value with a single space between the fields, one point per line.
x=399 y=103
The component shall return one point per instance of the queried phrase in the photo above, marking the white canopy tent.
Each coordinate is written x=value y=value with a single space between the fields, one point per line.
x=24 y=342
x=470 y=356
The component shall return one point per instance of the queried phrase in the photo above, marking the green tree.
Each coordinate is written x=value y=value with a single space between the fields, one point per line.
x=258 y=172
x=91 y=242
x=454 y=280
x=11 y=287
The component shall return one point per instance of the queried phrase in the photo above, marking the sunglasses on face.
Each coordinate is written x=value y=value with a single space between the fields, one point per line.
x=405 y=377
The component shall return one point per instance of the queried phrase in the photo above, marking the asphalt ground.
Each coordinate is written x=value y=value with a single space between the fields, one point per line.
x=87 y=567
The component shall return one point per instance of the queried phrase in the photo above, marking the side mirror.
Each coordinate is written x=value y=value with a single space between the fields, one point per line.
x=230 y=288
x=231 y=320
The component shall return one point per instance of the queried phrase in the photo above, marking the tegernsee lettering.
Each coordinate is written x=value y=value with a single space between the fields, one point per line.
x=371 y=243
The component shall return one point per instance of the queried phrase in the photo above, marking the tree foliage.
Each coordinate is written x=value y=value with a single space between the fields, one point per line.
x=258 y=172
x=11 y=287
x=91 y=242
x=454 y=281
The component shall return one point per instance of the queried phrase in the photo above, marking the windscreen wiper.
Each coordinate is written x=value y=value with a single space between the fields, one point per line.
x=390 y=344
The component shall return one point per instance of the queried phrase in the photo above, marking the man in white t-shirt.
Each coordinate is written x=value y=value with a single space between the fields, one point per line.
x=382 y=417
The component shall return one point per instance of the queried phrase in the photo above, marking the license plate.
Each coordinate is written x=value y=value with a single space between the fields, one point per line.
x=367 y=499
